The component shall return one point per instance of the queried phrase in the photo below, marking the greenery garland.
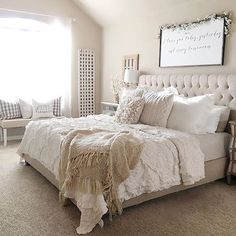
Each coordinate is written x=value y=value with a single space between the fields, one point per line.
x=183 y=26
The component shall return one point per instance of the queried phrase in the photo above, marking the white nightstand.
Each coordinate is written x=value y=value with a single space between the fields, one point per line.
x=109 y=108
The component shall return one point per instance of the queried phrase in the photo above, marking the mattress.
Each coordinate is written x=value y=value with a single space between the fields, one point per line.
x=214 y=145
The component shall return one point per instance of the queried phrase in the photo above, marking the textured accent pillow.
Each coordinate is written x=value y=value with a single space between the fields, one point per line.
x=191 y=114
x=129 y=110
x=42 y=110
x=57 y=107
x=157 y=108
x=25 y=108
x=9 y=110
x=130 y=92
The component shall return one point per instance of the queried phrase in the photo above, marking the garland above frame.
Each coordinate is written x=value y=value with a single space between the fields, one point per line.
x=226 y=16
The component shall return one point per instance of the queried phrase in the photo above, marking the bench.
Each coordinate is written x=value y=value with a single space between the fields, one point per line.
x=8 y=124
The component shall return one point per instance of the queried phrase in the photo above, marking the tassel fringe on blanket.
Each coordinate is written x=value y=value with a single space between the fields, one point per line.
x=97 y=161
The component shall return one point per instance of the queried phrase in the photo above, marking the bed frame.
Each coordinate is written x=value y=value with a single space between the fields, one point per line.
x=224 y=88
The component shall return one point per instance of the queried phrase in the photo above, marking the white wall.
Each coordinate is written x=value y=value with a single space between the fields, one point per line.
x=136 y=33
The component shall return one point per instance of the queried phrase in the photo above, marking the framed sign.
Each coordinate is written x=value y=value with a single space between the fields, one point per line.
x=195 y=44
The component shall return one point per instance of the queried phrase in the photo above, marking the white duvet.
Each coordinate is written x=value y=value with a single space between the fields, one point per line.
x=168 y=158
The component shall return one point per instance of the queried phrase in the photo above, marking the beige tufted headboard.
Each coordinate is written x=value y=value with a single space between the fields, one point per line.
x=222 y=85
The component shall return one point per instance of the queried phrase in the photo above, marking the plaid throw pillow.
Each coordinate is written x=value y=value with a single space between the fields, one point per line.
x=9 y=110
x=57 y=107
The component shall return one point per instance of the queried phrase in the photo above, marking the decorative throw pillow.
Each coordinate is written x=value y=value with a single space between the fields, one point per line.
x=9 y=110
x=157 y=108
x=191 y=114
x=42 y=110
x=25 y=108
x=57 y=107
x=130 y=92
x=129 y=110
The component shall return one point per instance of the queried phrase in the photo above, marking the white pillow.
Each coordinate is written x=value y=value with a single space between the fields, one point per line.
x=191 y=114
x=224 y=117
x=42 y=110
x=129 y=110
x=213 y=120
x=172 y=89
x=25 y=108
x=157 y=108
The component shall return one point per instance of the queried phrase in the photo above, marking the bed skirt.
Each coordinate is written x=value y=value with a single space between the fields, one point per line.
x=214 y=170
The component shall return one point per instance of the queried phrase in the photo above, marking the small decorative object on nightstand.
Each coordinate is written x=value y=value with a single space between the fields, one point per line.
x=232 y=152
x=109 y=108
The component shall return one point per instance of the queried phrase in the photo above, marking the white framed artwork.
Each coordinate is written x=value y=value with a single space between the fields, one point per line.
x=196 y=44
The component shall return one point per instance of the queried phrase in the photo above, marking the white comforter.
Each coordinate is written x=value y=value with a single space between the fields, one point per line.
x=168 y=158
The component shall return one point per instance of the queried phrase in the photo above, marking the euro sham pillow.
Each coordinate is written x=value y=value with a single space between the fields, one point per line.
x=9 y=110
x=156 y=108
x=42 y=110
x=25 y=108
x=191 y=114
x=129 y=110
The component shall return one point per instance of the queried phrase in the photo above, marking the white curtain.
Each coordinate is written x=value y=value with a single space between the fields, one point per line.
x=35 y=57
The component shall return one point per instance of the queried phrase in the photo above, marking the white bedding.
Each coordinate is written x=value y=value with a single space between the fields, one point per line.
x=155 y=171
x=214 y=145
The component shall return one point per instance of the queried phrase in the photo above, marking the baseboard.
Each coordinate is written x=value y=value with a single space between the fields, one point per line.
x=14 y=137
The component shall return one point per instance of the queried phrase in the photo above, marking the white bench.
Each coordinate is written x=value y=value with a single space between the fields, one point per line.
x=8 y=124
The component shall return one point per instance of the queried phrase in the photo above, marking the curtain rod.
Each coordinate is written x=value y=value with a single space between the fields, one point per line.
x=38 y=14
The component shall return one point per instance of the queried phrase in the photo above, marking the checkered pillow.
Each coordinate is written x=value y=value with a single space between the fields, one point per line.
x=9 y=110
x=57 y=107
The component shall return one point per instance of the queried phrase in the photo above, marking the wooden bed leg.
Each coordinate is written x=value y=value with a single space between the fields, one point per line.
x=63 y=200
x=228 y=179
x=27 y=164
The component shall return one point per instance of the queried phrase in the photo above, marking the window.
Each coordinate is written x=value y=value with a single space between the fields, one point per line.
x=34 y=59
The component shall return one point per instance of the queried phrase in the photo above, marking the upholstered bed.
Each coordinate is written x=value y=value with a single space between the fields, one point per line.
x=214 y=146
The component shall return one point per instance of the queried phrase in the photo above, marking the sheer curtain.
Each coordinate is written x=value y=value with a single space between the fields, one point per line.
x=35 y=57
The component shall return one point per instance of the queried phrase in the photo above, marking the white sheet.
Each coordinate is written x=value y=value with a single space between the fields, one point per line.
x=155 y=170
x=214 y=145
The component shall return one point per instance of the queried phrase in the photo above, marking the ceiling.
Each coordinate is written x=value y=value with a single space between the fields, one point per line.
x=109 y=12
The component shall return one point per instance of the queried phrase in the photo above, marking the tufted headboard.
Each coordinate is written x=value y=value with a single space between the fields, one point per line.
x=222 y=85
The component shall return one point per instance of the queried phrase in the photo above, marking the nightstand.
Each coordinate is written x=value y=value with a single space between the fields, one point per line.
x=232 y=152
x=109 y=108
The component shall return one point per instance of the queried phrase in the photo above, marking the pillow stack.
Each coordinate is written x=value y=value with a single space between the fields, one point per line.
x=196 y=115
x=148 y=107
x=27 y=109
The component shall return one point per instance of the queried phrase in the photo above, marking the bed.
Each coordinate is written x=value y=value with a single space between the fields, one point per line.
x=214 y=146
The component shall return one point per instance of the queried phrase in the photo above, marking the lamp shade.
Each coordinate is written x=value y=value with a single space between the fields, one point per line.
x=131 y=76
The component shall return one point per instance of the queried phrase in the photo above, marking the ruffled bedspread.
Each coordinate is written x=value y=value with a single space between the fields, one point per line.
x=168 y=158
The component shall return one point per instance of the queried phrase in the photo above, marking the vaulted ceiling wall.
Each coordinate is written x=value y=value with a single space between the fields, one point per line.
x=131 y=26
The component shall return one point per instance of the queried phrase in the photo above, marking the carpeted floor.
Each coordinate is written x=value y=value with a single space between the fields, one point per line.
x=29 y=206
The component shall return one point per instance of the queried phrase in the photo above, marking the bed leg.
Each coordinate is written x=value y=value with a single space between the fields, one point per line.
x=228 y=179
x=27 y=164
x=63 y=200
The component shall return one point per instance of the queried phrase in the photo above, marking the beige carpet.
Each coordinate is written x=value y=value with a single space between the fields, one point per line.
x=29 y=206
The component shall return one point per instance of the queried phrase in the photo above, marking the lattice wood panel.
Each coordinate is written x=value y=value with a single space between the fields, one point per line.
x=86 y=82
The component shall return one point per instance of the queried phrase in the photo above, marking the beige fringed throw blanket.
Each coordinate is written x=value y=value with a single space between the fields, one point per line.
x=97 y=161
